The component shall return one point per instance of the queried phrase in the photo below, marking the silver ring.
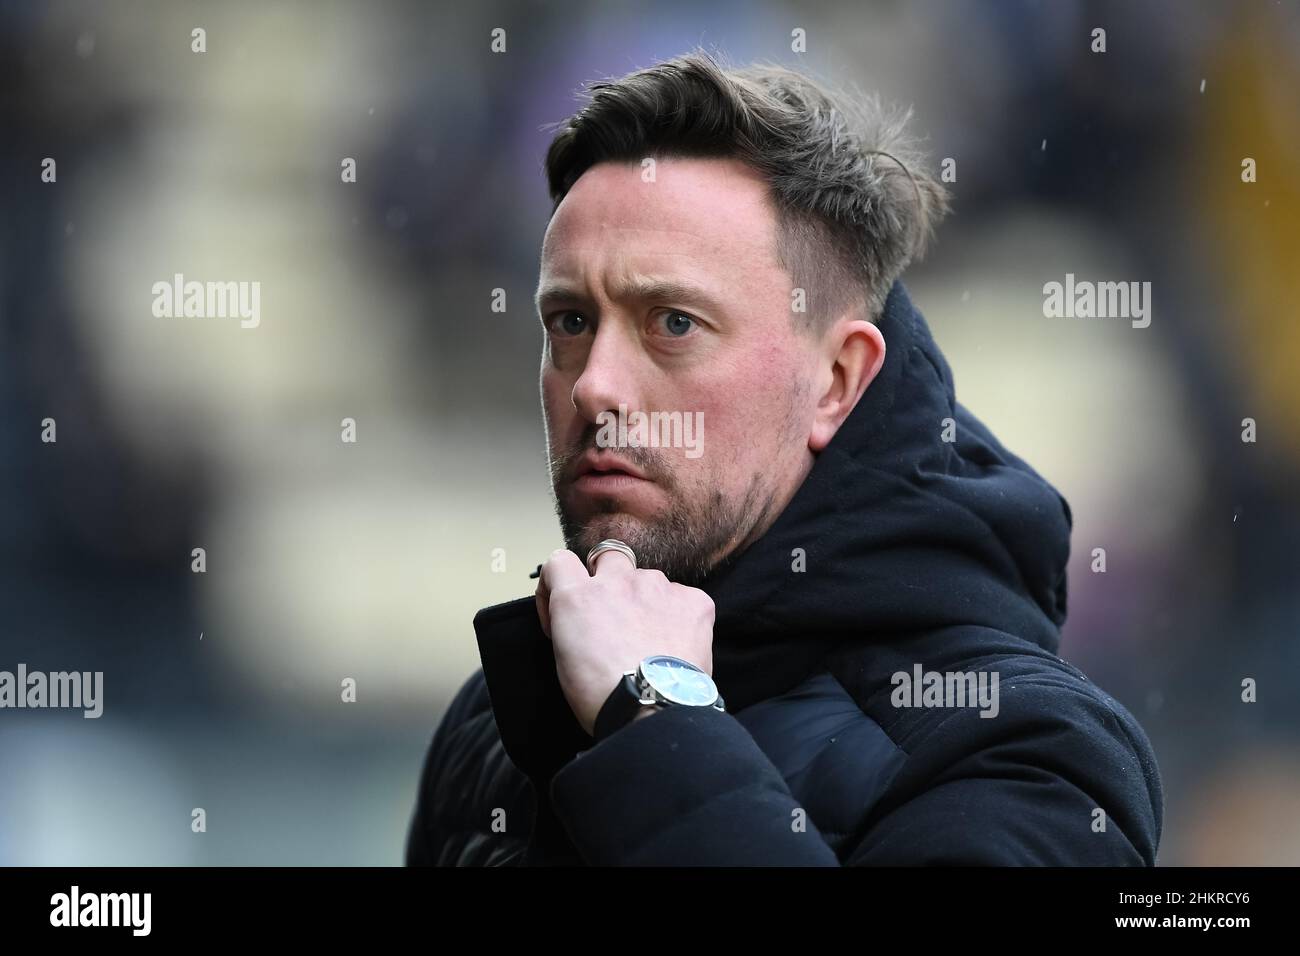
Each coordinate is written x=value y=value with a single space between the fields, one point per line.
x=609 y=544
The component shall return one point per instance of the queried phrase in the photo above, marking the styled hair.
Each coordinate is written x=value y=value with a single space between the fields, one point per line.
x=853 y=201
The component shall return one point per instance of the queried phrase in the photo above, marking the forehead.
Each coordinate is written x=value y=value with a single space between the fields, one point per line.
x=703 y=213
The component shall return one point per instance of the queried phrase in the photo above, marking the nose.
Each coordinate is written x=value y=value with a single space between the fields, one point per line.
x=609 y=376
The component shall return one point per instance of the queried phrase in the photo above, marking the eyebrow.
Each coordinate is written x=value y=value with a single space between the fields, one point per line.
x=644 y=288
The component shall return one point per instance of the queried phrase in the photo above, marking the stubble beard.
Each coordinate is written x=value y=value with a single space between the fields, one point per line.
x=688 y=540
x=697 y=534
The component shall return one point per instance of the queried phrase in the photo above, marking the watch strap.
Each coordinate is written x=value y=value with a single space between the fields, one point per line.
x=619 y=709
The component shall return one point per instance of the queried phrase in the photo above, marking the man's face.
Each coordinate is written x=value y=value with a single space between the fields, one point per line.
x=666 y=296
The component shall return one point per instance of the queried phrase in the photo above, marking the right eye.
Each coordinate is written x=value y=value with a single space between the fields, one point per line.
x=567 y=323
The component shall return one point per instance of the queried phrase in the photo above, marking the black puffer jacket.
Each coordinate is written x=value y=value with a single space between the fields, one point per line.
x=902 y=553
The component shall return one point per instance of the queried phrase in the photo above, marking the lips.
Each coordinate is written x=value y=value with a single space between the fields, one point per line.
x=604 y=464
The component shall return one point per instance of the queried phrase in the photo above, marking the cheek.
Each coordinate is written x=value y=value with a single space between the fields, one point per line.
x=557 y=406
x=551 y=396
x=746 y=408
x=557 y=389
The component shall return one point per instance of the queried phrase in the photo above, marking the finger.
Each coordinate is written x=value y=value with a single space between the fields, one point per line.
x=562 y=568
x=613 y=562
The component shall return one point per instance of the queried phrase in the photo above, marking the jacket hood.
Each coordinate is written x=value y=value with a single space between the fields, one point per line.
x=900 y=532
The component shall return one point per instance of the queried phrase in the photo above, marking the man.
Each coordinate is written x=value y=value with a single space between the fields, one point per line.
x=870 y=583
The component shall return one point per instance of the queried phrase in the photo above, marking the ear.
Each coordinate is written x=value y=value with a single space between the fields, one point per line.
x=854 y=353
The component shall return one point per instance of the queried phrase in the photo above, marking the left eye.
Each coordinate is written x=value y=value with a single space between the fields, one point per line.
x=677 y=323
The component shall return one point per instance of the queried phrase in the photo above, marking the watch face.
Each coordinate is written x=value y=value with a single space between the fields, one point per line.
x=679 y=681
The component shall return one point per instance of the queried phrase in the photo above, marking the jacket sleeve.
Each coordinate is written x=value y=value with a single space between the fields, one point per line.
x=691 y=787
x=685 y=787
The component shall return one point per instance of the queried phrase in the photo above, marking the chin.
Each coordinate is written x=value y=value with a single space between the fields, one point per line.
x=600 y=526
x=585 y=528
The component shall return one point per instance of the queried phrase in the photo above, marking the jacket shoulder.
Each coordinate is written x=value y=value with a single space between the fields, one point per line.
x=471 y=699
x=424 y=834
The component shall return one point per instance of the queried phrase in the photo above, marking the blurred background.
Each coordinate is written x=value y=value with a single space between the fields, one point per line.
x=367 y=560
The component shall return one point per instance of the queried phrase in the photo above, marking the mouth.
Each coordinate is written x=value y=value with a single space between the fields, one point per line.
x=603 y=472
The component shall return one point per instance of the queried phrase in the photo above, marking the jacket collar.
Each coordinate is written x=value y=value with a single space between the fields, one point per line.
x=538 y=730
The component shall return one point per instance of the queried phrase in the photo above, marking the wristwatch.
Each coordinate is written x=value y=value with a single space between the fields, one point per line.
x=658 y=680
